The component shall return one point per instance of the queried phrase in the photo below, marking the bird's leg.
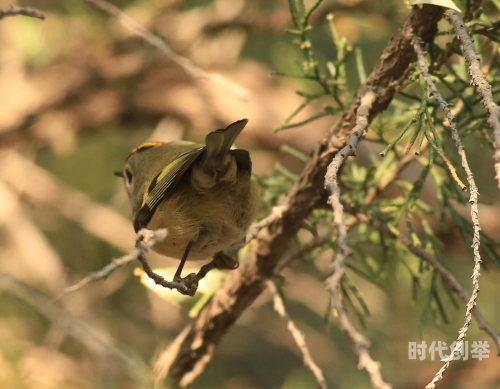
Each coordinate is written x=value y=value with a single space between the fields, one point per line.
x=220 y=261
x=177 y=275
x=187 y=285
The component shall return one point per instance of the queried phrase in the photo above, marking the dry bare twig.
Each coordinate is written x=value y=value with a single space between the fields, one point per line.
x=452 y=170
x=331 y=176
x=25 y=11
x=332 y=283
x=156 y=41
x=145 y=240
x=479 y=81
x=474 y=194
x=298 y=336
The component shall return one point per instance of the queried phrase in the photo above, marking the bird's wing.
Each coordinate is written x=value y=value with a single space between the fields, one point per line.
x=163 y=184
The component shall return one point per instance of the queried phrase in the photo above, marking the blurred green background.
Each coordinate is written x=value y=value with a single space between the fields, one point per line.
x=78 y=92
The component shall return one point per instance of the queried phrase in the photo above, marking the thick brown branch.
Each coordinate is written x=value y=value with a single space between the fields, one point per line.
x=187 y=358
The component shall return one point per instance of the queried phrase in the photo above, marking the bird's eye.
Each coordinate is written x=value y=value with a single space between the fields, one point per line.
x=128 y=176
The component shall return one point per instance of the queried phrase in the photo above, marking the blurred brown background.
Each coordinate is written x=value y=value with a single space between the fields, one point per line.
x=78 y=92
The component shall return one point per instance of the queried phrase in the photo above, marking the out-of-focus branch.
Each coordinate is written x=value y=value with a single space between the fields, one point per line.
x=332 y=283
x=474 y=194
x=479 y=81
x=145 y=240
x=36 y=261
x=390 y=177
x=38 y=185
x=156 y=41
x=189 y=354
x=494 y=57
x=298 y=336
x=25 y=11
x=306 y=248
x=473 y=7
x=253 y=19
x=96 y=341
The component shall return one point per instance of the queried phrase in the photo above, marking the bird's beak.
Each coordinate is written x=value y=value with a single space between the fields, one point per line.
x=119 y=174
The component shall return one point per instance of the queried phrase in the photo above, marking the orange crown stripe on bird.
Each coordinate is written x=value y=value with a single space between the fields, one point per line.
x=146 y=145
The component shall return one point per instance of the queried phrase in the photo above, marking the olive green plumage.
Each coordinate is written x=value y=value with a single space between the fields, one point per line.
x=203 y=194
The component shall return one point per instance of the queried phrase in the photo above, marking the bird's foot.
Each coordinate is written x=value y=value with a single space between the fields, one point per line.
x=189 y=284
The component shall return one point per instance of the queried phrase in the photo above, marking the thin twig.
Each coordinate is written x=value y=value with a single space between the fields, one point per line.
x=158 y=42
x=298 y=336
x=479 y=81
x=474 y=193
x=331 y=183
x=25 y=11
x=452 y=169
x=145 y=240
x=445 y=275
x=331 y=175
x=332 y=283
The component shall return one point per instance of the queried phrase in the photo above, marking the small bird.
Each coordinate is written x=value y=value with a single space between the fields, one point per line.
x=203 y=195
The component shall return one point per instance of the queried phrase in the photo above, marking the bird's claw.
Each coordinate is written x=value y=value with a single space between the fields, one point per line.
x=190 y=284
